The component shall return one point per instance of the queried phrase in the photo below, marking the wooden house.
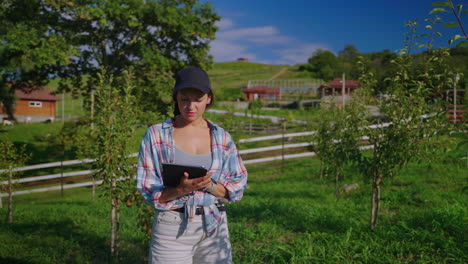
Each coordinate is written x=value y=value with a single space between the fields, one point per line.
x=35 y=105
x=333 y=91
x=335 y=87
x=264 y=93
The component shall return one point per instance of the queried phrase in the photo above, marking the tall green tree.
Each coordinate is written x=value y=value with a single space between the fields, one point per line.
x=323 y=65
x=348 y=57
x=156 y=38
x=29 y=48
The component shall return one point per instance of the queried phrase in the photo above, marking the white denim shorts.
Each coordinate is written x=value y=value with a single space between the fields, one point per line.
x=170 y=245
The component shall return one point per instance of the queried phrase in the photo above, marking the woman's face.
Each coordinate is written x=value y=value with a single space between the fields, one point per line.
x=192 y=104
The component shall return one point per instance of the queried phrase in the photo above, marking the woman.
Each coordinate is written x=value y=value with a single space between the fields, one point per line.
x=190 y=224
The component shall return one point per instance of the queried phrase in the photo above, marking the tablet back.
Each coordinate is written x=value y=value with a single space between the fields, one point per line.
x=173 y=172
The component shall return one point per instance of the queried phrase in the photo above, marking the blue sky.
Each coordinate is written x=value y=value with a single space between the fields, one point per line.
x=288 y=32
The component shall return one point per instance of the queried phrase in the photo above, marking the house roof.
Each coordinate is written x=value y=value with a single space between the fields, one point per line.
x=261 y=89
x=40 y=94
x=337 y=83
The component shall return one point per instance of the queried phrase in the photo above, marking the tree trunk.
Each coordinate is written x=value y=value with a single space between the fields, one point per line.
x=61 y=175
x=94 y=188
x=337 y=181
x=283 y=131
x=10 y=195
x=115 y=222
x=321 y=169
x=375 y=201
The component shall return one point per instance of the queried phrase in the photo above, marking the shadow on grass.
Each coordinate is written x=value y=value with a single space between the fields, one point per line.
x=75 y=244
x=14 y=261
x=44 y=153
x=296 y=219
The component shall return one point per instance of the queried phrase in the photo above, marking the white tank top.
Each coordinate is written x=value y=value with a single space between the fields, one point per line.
x=182 y=157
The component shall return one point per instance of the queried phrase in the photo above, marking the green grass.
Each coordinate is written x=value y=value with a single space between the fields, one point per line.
x=287 y=215
x=73 y=107
x=227 y=78
x=35 y=135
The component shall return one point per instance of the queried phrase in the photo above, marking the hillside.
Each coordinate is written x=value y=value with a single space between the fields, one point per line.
x=228 y=78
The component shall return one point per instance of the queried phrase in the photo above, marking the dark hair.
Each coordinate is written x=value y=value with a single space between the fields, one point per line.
x=176 y=111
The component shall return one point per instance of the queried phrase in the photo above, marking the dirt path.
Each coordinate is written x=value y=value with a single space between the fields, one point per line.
x=283 y=70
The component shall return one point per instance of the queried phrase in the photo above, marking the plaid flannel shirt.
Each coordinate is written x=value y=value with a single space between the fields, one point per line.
x=158 y=147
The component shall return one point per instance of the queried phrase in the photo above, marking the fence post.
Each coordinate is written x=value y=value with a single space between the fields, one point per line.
x=94 y=188
x=10 y=195
x=282 y=143
x=61 y=166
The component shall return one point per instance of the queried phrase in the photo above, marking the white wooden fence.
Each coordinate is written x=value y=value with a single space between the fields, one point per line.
x=245 y=151
x=87 y=172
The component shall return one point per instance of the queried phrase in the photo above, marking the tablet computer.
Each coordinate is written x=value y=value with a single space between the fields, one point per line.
x=172 y=173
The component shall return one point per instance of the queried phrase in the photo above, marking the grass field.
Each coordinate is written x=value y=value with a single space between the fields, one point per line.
x=229 y=77
x=287 y=215
x=35 y=136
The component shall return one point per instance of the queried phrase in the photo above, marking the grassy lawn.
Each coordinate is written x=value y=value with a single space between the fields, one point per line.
x=72 y=107
x=35 y=136
x=227 y=78
x=287 y=215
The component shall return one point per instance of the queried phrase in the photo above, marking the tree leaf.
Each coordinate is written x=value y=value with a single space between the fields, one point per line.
x=446 y=4
x=437 y=10
x=460 y=8
x=463 y=43
x=452 y=39
x=450 y=24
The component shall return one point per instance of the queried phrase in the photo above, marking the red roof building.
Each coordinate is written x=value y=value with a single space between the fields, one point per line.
x=41 y=94
x=34 y=105
x=335 y=87
x=262 y=92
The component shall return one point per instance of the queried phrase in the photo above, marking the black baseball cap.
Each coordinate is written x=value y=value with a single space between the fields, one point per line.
x=192 y=77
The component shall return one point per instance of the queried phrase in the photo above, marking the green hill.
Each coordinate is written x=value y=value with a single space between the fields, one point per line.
x=228 y=78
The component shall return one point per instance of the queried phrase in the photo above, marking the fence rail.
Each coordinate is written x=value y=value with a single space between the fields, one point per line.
x=241 y=152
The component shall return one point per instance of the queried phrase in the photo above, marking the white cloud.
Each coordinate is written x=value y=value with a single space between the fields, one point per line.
x=263 y=35
x=229 y=51
x=225 y=23
x=244 y=33
x=298 y=53
x=232 y=43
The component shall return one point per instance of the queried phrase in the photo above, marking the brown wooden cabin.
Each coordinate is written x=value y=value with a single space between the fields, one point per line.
x=34 y=105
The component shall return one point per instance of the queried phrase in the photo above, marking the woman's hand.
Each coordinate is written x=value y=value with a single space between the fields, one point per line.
x=187 y=185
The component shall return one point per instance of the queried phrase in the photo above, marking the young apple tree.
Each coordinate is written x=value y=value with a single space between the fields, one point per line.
x=11 y=158
x=115 y=125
